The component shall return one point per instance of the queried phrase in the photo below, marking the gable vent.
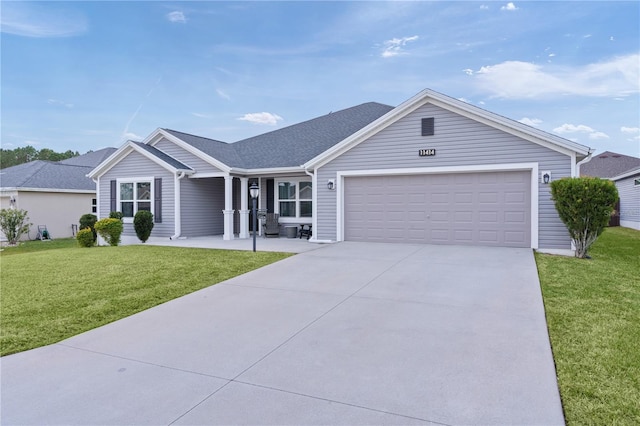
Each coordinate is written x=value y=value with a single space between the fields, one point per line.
x=428 y=126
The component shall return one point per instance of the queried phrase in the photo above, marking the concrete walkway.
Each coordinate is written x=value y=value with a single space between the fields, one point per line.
x=349 y=333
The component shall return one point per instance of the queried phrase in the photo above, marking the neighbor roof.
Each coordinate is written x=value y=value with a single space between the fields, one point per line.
x=609 y=164
x=47 y=175
x=90 y=159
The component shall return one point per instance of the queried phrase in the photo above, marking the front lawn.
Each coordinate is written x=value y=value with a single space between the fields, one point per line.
x=53 y=290
x=593 y=314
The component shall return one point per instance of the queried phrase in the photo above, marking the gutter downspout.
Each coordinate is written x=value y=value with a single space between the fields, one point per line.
x=314 y=208
x=584 y=161
x=176 y=202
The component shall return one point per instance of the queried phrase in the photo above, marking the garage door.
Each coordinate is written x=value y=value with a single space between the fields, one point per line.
x=486 y=208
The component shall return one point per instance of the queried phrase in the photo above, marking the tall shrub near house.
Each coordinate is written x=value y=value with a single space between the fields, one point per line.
x=110 y=229
x=585 y=206
x=89 y=221
x=143 y=224
x=14 y=223
x=84 y=237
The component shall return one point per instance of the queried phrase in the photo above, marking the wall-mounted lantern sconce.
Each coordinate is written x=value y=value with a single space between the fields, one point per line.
x=12 y=202
x=546 y=177
x=331 y=184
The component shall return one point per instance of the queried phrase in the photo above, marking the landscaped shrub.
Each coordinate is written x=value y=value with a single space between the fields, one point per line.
x=14 y=223
x=85 y=237
x=585 y=206
x=143 y=224
x=88 y=221
x=110 y=229
x=116 y=215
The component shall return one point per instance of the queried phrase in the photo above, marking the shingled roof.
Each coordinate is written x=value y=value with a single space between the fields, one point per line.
x=290 y=146
x=46 y=175
x=609 y=164
x=90 y=159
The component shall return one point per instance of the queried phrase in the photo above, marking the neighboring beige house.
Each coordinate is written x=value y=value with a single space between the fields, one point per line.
x=55 y=194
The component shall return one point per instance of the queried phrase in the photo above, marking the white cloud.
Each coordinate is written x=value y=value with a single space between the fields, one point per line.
x=40 y=21
x=612 y=39
x=261 y=118
x=395 y=46
x=59 y=102
x=468 y=71
x=130 y=136
x=630 y=130
x=580 y=128
x=199 y=115
x=223 y=95
x=484 y=7
x=177 y=16
x=465 y=100
x=533 y=122
x=619 y=76
x=509 y=6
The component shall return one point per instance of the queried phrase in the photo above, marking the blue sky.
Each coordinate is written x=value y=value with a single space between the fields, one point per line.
x=87 y=75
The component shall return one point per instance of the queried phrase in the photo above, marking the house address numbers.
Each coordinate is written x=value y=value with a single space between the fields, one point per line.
x=427 y=152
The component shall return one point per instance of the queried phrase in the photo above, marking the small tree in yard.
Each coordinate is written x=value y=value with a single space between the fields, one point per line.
x=585 y=206
x=110 y=229
x=14 y=223
x=143 y=224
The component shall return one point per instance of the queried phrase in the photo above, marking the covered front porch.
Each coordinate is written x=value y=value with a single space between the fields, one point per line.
x=221 y=204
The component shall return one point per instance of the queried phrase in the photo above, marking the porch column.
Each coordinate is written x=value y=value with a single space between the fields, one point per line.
x=228 y=208
x=244 y=210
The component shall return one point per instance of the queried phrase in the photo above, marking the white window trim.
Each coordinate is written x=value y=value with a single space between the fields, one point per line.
x=135 y=181
x=276 y=201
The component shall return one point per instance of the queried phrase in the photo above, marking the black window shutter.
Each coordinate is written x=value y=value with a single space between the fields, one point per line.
x=428 y=126
x=270 y=195
x=114 y=197
x=157 y=217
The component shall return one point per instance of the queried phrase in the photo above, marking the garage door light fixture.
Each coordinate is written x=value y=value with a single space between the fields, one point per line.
x=331 y=184
x=546 y=177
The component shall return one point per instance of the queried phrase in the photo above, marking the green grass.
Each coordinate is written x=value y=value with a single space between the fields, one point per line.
x=53 y=290
x=593 y=314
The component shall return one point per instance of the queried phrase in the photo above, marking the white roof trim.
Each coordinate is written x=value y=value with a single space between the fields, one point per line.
x=125 y=150
x=155 y=137
x=531 y=134
x=68 y=191
x=626 y=174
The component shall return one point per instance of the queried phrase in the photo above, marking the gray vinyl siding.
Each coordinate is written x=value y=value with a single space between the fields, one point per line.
x=629 y=200
x=136 y=165
x=458 y=141
x=185 y=157
x=202 y=202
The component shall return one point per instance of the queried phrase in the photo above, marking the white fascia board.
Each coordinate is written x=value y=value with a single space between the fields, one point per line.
x=539 y=137
x=366 y=132
x=125 y=150
x=520 y=130
x=189 y=148
x=110 y=161
x=626 y=174
x=268 y=171
x=158 y=161
x=58 y=190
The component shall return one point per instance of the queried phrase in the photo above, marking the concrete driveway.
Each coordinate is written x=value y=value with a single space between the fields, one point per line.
x=350 y=333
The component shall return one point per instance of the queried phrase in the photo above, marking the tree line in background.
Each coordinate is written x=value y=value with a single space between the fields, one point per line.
x=13 y=157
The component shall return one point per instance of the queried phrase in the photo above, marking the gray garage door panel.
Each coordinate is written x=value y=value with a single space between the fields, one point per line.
x=492 y=208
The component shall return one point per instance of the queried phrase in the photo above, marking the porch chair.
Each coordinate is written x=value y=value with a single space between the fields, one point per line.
x=271 y=226
x=305 y=231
